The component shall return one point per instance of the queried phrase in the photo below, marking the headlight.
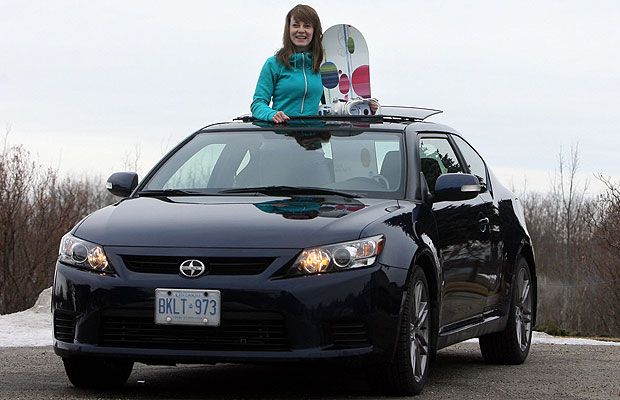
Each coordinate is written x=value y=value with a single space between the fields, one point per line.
x=339 y=257
x=83 y=254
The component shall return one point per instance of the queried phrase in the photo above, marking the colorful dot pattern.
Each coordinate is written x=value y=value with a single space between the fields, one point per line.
x=352 y=78
x=329 y=75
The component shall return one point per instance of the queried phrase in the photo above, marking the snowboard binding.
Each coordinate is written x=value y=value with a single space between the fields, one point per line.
x=357 y=106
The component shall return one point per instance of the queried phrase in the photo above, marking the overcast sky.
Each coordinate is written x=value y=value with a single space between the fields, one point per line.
x=82 y=83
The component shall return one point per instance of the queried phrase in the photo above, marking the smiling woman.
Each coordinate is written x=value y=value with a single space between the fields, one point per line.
x=290 y=80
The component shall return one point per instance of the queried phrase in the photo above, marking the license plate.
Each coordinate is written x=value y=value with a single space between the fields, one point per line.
x=187 y=307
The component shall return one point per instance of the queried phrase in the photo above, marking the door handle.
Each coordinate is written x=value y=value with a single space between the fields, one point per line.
x=483 y=223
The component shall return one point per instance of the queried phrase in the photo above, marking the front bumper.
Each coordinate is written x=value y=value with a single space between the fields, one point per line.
x=345 y=315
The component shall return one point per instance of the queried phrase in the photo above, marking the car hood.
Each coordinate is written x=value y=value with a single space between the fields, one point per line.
x=231 y=222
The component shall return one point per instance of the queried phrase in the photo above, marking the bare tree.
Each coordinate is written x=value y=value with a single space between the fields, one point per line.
x=577 y=262
x=576 y=238
x=36 y=209
x=132 y=160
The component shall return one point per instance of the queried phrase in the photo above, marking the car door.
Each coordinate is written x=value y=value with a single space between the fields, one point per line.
x=488 y=274
x=461 y=243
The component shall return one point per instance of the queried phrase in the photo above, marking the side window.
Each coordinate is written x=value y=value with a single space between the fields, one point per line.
x=437 y=157
x=474 y=162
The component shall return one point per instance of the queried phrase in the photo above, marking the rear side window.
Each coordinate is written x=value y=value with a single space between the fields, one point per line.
x=475 y=164
x=437 y=157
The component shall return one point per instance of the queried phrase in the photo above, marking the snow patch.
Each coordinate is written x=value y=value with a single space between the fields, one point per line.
x=541 y=337
x=544 y=338
x=33 y=327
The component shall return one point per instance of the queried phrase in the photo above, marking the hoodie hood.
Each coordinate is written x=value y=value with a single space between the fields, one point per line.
x=299 y=60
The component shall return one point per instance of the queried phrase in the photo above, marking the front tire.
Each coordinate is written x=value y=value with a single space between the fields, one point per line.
x=512 y=345
x=408 y=372
x=97 y=373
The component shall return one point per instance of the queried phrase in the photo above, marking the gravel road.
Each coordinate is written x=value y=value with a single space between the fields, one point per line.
x=551 y=372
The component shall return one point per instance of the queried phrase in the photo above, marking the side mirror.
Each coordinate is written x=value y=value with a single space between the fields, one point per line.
x=456 y=187
x=122 y=183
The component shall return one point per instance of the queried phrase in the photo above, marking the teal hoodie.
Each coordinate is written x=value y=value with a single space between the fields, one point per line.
x=296 y=91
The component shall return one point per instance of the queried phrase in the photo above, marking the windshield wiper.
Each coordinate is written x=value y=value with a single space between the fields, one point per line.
x=286 y=190
x=171 y=192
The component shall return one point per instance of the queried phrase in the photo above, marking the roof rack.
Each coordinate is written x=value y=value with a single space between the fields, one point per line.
x=359 y=118
x=389 y=113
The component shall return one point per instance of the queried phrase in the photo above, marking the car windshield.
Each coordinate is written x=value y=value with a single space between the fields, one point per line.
x=359 y=163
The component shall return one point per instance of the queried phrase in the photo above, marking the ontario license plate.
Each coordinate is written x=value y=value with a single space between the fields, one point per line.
x=187 y=307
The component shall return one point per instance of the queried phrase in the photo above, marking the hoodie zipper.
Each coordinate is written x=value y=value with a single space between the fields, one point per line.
x=303 y=66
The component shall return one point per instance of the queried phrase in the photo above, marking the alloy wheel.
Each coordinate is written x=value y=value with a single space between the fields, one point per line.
x=419 y=331
x=523 y=309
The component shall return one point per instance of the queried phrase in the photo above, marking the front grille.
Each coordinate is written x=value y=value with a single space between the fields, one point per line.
x=215 y=265
x=237 y=332
x=64 y=326
x=350 y=335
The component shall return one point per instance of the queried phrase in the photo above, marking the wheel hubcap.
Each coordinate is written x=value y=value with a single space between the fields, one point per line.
x=523 y=309
x=418 y=331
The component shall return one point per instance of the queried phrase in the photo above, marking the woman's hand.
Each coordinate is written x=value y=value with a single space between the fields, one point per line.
x=374 y=106
x=280 y=117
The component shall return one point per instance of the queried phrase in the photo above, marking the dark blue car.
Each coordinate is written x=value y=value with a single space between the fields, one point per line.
x=377 y=240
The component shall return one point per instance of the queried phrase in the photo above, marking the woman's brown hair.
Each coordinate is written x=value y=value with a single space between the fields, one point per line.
x=302 y=13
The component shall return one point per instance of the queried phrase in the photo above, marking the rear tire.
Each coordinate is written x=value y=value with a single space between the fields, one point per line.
x=97 y=373
x=407 y=374
x=512 y=345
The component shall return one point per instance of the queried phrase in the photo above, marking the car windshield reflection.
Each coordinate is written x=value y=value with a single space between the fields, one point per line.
x=362 y=163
